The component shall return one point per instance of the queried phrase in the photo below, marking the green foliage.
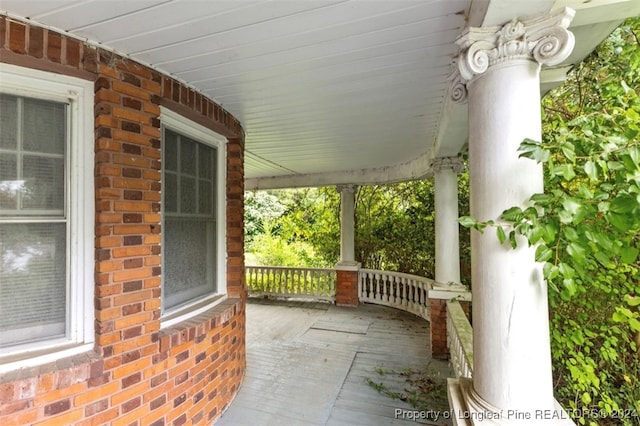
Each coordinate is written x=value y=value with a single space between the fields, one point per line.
x=425 y=390
x=394 y=227
x=587 y=229
x=292 y=227
x=273 y=250
x=260 y=209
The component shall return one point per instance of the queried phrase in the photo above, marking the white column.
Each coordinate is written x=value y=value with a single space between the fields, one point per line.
x=446 y=170
x=499 y=74
x=347 y=223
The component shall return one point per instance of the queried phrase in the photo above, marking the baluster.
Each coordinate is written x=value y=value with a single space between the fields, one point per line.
x=318 y=281
x=387 y=286
x=287 y=279
x=376 y=292
x=276 y=280
x=308 y=279
x=305 y=281
x=405 y=292
x=295 y=280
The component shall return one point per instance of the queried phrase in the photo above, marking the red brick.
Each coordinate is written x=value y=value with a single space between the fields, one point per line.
x=36 y=41
x=17 y=37
x=54 y=47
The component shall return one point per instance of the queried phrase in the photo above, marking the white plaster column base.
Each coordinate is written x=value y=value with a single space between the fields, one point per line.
x=348 y=265
x=449 y=292
x=468 y=409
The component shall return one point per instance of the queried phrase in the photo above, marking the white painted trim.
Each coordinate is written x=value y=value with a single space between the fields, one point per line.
x=78 y=93
x=182 y=125
x=418 y=168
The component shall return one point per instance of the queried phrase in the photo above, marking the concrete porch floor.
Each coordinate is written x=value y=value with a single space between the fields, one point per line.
x=308 y=364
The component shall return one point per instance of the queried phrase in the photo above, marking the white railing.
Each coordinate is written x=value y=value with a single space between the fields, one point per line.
x=459 y=340
x=282 y=281
x=402 y=291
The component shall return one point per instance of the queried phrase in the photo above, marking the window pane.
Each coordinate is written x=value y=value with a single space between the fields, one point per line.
x=187 y=156
x=205 y=161
x=44 y=126
x=189 y=240
x=189 y=263
x=205 y=197
x=32 y=282
x=44 y=183
x=170 y=159
x=9 y=183
x=8 y=122
x=170 y=193
x=187 y=195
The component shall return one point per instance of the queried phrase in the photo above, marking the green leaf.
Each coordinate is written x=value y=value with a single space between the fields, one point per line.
x=576 y=251
x=622 y=314
x=619 y=221
x=623 y=204
x=634 y=151
x=502 y=237
x=533 y=150
x=570 y=285
x=566 y=270
x=591 y=170
x=569 y=151
x=541 y=198
x=512 y=239
x=467 y=221
x=602 y=258
x=543 y=253
x=632 y=300
x=536 y=234
x=571 y=233
x=514 y=214
x=628 y=255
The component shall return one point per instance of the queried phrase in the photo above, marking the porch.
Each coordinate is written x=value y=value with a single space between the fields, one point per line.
x=308 y=363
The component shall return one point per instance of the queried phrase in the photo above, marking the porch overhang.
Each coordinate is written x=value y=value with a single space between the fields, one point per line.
x=328 y=92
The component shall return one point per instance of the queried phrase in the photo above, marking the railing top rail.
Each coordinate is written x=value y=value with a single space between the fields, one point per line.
x=400 y=274
x=463 y=329
x=282 y=268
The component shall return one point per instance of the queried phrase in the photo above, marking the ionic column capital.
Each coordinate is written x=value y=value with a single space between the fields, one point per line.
x=447 y=163
x=544 y=40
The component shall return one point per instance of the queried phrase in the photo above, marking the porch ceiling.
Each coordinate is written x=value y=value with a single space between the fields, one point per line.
x=328 y=91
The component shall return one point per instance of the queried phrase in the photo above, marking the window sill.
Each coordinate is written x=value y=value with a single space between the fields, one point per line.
x=42 y=360
x=192 y=310
x=196 y=326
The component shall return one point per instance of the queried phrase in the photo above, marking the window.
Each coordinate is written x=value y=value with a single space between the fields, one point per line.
x=193 y=211
x=46 y=211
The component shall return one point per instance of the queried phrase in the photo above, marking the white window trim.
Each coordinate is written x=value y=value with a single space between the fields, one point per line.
x=78 y=93
x=182 y=125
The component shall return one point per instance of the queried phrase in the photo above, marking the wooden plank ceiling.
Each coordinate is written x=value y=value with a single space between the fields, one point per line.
x=328 y=91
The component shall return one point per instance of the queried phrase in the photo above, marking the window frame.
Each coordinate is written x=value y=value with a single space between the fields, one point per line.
x=199 y=133
x=80 y=209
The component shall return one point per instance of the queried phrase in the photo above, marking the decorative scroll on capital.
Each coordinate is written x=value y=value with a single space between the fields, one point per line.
x=545 y=40
x=447 y=163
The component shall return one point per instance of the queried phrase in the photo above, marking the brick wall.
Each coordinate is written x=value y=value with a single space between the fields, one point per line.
x=438 y=326
x=347 y=288
x=138 y=374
